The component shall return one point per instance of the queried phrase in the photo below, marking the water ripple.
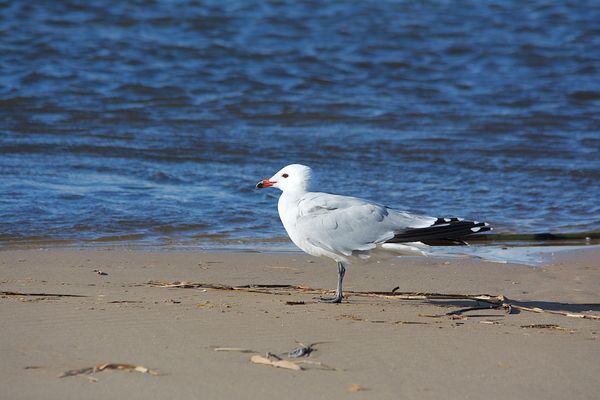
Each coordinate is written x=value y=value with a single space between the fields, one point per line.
x=142 y=121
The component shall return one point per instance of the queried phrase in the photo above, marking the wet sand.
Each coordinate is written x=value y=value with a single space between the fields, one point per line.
x=379 y=348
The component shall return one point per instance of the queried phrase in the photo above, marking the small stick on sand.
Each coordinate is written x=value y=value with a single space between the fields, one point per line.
x=9 y=293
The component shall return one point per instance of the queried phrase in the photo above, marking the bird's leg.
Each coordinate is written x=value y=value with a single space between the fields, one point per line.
x=338 y=292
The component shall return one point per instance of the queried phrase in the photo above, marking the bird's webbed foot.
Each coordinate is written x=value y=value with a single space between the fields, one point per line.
x=333 y=299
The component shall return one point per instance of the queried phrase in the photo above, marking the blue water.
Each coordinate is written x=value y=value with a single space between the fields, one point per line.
x=151 y=122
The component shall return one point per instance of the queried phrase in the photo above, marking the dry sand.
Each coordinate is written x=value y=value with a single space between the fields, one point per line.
x=393 y=349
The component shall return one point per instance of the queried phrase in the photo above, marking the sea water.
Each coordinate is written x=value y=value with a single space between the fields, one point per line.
x=151 y=122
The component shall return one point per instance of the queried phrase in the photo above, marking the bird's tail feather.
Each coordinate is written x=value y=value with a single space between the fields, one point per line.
x=443 y=232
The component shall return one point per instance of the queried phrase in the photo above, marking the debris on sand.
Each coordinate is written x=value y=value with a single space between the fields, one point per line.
x=549 y=326
x=302 y=351
x=256 y=359
x=235 y=349
x=357 y=388
x=102 y=367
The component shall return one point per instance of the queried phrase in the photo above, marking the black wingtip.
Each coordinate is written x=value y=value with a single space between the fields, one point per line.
x=443 y=232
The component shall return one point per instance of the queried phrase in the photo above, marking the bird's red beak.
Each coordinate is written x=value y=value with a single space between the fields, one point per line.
x=264 y=183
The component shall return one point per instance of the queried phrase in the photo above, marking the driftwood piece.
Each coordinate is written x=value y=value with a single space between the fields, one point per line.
x=256 y=359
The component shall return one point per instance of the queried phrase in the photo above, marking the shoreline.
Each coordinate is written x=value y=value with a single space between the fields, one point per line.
x=377 y=347
x=277 y=243
x=526 y=254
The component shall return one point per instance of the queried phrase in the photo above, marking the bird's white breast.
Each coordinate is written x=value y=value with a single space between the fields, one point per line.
x=288 y=213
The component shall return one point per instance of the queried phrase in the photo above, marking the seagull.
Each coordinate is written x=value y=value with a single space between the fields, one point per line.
x=349 y=229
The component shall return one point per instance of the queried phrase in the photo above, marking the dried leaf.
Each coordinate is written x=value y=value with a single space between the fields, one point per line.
x=256 y=359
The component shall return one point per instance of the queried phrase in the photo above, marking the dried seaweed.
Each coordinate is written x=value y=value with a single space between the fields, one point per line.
x=263 y=288
x=494 y=301
x=549 y=326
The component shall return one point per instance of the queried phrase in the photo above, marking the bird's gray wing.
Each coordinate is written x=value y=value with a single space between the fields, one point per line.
x=344 y=224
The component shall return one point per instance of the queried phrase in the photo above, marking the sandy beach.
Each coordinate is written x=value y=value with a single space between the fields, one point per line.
x=366 y=347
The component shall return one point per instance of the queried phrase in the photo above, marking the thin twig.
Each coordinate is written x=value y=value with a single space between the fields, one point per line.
x=464 y=310
x=9 y=293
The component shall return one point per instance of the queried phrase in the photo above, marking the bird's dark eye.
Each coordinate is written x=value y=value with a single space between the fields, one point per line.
x=285 y=175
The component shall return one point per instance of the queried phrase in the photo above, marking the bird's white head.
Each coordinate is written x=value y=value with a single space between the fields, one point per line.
x=291 y=178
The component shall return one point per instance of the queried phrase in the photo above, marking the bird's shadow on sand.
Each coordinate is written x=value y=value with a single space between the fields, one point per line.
x=545 y=305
